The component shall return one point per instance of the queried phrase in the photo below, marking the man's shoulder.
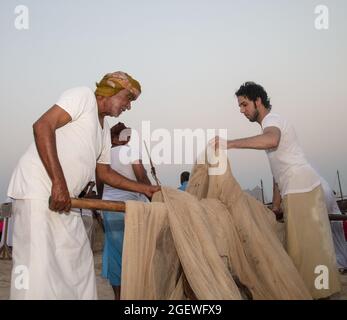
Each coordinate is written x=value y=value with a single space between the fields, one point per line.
x=273 y=115
x=274 y=120
x=79 y=91
x=77 y=101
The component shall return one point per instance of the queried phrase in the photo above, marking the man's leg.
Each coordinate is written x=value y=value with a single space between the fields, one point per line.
x=54 y=251
x=309 y=241
x=116 y=290
x=20 y=277
x=114 y=234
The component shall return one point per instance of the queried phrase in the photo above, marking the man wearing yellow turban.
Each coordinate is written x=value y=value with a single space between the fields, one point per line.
x=114 y=82
x=72 y=143
x=115 y=92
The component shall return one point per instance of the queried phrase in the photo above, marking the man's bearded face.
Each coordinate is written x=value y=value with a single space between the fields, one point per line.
x=248 y=108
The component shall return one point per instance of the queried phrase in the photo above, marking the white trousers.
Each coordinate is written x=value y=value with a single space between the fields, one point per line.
x=52 y=258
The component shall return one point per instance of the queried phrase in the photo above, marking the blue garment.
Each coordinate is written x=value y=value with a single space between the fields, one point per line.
x=183 y=186
x=113 y=247
x=113 y=244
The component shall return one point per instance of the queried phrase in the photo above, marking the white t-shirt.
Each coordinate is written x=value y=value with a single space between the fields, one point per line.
x=122 y=158
x=80 y=145
x=291 y=170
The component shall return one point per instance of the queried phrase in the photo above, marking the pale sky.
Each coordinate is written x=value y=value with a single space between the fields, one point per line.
x=190 y=57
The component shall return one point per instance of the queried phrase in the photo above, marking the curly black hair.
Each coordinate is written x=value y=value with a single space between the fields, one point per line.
x=185 y=176
x=252 y=91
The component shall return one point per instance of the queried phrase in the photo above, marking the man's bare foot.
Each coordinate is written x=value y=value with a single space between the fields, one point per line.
x=116 y=290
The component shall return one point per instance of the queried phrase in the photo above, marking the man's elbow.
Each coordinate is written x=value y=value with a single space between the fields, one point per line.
x=272 y=139
x=271 y=144
x=41 y=125
x=100 y=172
x=275 y=143
x=37 y=127
x=105 y=173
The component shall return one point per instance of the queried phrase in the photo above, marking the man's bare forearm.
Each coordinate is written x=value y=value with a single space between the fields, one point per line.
x=108 y=176
x=46 y=146
x=144 y=179
x=260 y=142
x=141 y=173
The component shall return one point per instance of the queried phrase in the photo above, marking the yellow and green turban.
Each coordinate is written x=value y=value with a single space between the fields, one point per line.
x=114 y=82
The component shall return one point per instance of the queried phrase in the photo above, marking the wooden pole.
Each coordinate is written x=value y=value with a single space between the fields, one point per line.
x=262 y=191
x=96 y=204
x=338 y=178
x=337 y=217
x=153 y=172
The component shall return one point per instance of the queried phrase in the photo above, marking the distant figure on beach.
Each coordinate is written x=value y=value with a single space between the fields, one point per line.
x=184 y=180
x=72 y=145
x=305 y=212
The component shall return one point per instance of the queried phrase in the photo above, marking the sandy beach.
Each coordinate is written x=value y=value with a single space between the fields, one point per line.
x=104 y=289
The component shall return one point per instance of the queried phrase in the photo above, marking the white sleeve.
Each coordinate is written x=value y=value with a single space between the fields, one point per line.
x=105 y=156
x=75 y=101
x=272 y=121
